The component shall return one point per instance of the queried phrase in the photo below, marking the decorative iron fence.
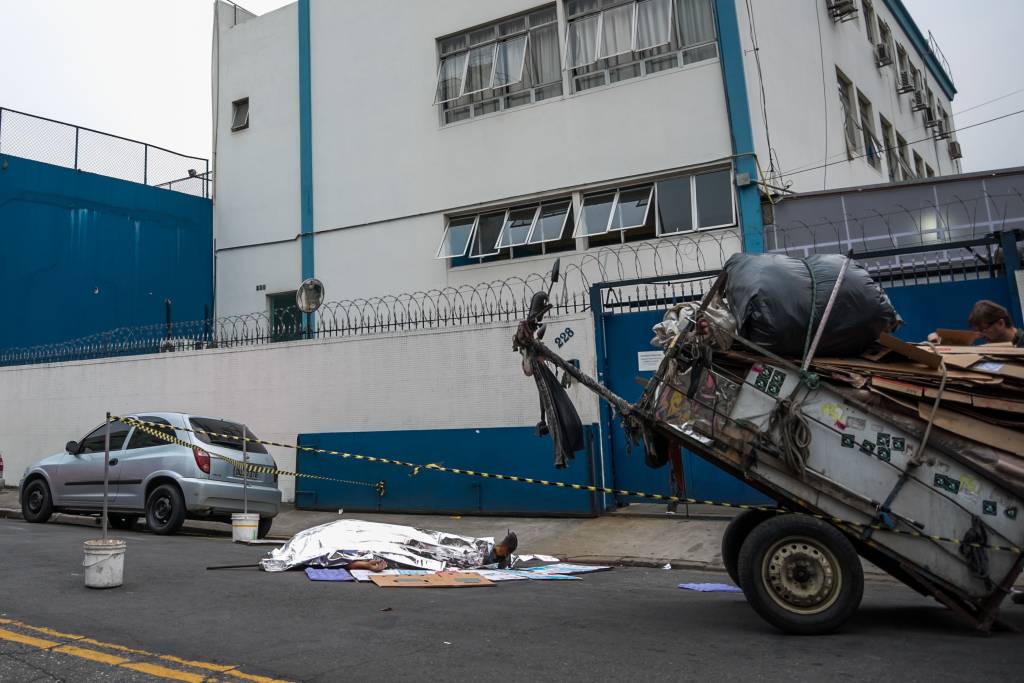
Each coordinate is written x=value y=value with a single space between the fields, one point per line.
x=83 y=149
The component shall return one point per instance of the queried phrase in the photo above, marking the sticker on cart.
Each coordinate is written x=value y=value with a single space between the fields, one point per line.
x=988 y=507
x=849 y=441
x=947 y=483
x=969 y=487
x=884 y=454
x=775 y=383
x=867 y=447
x=898 y=443
x=832 y=411
x=883 y=439
x=856 y=422
x=1010 y=512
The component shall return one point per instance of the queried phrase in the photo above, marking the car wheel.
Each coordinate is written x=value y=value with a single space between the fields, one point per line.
x=36 y=502
x=123 y=522
x=264 y=527
x=165 y=509
x=732 y=540
x=802 y=575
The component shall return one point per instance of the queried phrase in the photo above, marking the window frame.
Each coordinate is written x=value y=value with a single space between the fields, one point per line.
x=867 y=126
x=615 y=206
x=536 y=223
x=235 y=107
x=846 y=102
x=493 y=99
x=505 y=226
x=869 y=22
x=602 y=75
x=444 y=236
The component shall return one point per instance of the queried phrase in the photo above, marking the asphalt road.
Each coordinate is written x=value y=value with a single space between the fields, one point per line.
x=622 y=624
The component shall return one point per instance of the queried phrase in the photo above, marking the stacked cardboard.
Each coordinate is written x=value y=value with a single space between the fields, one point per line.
x=982 y=403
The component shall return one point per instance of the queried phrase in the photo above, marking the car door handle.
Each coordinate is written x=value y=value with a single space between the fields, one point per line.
x=113 y=461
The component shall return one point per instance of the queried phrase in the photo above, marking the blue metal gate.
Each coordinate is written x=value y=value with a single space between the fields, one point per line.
x=623 y=315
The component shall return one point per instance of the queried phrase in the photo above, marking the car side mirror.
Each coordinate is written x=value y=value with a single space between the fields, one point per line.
x=71 y=447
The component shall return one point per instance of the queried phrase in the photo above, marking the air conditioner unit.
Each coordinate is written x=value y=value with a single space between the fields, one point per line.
x=954 y=150
x=904 y=83
x=841 y=10
x=940 y=132
x=883 y=55
x=917 y=102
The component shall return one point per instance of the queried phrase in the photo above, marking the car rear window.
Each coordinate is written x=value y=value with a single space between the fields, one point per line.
x=219 y=433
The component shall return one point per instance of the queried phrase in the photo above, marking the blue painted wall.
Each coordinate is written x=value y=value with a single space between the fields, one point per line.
x=499 y=450
x=82 y=253
x=925 y=308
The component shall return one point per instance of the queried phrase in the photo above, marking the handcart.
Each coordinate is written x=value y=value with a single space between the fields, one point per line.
x=850 y=481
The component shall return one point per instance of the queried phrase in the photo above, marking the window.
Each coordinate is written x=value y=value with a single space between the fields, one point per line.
x=929 y=113
x=918 y=166
x=704 y=200
x=504 y=65
x=869 y=21
x=515 y=232
x=143 y=439
x=96 y=442
x=889 y=140
x=849 y=116
x=225 y=434
x=285 y=317
x=867 y=127
x=901 y=147
x=915 y=77
x=608 y=41
x=885 y=37
x=240 y=114
x=929 y=171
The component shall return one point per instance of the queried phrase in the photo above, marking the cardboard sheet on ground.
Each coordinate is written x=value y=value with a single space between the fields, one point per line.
x=432 y=580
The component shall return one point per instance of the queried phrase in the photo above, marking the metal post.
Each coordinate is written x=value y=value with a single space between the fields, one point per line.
x=245 y=473
x=145 y=164
x=106 y=474
x=77 y=129
x=1011 y=264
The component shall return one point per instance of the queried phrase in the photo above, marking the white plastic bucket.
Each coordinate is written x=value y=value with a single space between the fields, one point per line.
x=104 y=563
x=244 y=526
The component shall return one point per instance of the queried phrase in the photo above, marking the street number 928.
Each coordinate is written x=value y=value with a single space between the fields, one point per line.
x=563 y=339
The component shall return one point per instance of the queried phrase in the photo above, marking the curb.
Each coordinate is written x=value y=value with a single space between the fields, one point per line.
x=10 y=513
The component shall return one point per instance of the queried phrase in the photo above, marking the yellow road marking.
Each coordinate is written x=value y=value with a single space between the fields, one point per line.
x=93 y=655
x=164 y=672
x=115 y=660
x=27 y=640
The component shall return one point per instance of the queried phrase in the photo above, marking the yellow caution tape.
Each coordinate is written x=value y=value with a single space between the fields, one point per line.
x=416 y=468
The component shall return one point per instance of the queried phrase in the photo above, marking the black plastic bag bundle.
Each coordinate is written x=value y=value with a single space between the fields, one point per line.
x=770 y=295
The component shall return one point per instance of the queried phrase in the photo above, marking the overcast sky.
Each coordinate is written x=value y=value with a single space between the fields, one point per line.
x=141 y=68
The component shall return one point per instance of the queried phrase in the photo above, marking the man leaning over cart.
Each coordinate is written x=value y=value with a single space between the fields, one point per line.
x=992 y=323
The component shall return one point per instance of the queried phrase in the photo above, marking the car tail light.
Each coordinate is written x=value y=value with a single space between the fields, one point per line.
x=272 y=460
x=202 y=459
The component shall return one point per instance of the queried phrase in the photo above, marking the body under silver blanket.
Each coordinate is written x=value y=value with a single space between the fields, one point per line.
x=337 y=543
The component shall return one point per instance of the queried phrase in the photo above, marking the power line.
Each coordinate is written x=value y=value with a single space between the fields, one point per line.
x=886 y=149
x=802 y=167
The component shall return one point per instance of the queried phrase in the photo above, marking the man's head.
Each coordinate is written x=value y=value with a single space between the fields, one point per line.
x=992 y=321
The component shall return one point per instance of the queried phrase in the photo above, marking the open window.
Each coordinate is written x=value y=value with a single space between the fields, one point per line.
x=518 y=225
x=456 y=237
x=488 y=230
x=595 y=215
x=675 y=205
x=551 y=222
x=240 y=114
x=632 y=208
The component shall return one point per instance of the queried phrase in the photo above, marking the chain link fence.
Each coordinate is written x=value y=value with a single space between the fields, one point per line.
x=83 y=149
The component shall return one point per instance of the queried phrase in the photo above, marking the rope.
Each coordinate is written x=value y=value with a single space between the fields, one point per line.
x=792 y=432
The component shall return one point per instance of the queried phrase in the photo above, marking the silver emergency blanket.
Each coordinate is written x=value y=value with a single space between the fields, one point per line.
x=337 y=543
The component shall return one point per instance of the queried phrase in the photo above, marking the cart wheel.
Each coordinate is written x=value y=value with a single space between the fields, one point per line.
x=801 y=574
x=732 y=540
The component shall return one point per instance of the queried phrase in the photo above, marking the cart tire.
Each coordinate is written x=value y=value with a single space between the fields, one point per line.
x=732 y=540
x=802 y=575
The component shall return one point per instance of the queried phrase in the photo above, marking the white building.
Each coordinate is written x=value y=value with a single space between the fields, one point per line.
x=629 y=137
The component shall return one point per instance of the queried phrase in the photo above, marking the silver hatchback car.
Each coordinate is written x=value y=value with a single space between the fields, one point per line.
x=149 y=476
